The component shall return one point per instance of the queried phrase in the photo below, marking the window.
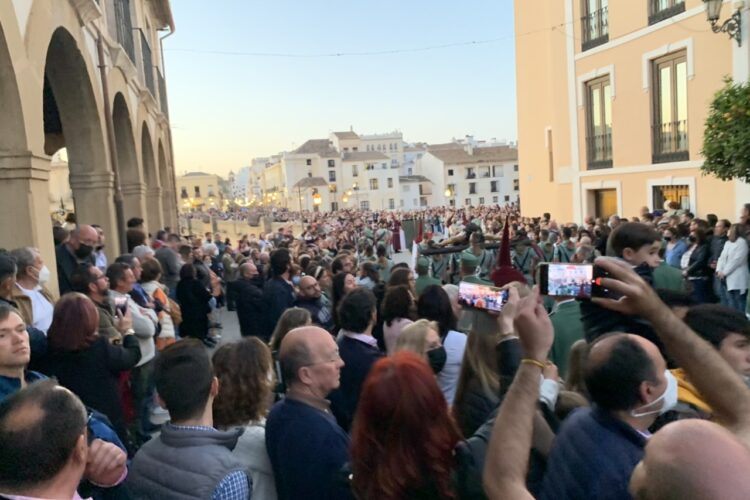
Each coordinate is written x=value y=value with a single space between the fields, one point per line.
x=659 y=10
x=331 y=163
x=355 y=171
x=481 y=200
x=507 y=198
x=383 y=166
x=678 y=193
x=486 y=172
x=414 y=202
x=197 y=191
x=308 y=162
x=390 y=182
x=391 y=203
x=497 y=171
x=594 y=23
x=183 y=193
x=373 y=184
x=450 y=171
x=472 y=188
x=515 y=184
x=332 y=188
x=468 y=202
x=334 y=206
x=355 y=148
x=515 y=168
x=494 y=199
x=401 y=203
x=493 y=186
x=364 y=205
x=410 y=171
x=670 y=128
x=346 y=150
x=470 y=174
x=599 y=123
x=331 y=176
x=423 y=202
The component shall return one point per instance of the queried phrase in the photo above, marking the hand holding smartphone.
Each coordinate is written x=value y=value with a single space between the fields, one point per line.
x=483 y=297
x=121 y=303
x=581 y=281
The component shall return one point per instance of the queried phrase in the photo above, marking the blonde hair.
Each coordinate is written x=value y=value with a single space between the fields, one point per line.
x=413 y=337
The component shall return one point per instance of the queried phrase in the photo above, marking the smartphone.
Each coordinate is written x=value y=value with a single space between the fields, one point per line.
x=483 y=297
x=121 y=303
x=581 y=281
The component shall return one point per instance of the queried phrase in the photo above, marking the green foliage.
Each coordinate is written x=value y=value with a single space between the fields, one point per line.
x=726 y=139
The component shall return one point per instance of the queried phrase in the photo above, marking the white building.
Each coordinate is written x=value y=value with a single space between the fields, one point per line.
x=468 y=175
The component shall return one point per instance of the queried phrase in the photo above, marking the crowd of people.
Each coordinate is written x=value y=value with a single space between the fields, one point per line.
x=358 y=376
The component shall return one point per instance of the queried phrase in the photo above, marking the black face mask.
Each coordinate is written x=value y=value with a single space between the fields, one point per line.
x=436 y=358
x=667 y=238
x=84 y=251
x=692 y=239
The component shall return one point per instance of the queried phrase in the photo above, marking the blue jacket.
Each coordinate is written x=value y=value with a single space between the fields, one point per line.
x=592 y=457
x=307 y=449
x=674 y=256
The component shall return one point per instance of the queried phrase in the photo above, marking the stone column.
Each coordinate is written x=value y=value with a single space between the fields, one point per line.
x=25 y=219
x=134 y=201
x=94 y=198
x=155 y=205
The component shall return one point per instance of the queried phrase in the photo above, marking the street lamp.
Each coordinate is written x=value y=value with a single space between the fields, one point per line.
x=732 y=26
x=447 y=193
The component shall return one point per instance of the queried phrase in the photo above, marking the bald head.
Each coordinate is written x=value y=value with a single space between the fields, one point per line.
x=309 y=288
x=85 y=234
x=248 y=270
x=305 y=354
x=692 y=460
x=617 y=365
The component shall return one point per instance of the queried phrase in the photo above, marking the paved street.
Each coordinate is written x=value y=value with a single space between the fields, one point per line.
x=231 y=330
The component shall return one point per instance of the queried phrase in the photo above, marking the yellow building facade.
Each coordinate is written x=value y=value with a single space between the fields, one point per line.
x=612 y=99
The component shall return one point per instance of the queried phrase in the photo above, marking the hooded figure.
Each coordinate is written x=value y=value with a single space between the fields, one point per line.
x=504 y=272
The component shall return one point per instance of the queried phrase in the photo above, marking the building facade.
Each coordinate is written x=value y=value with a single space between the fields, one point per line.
x=200 y=191
x=471 y=174
x=86 y=76
x=612 y=97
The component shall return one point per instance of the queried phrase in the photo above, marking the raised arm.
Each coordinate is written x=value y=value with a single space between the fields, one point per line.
x=719 y=385
x=508 y=450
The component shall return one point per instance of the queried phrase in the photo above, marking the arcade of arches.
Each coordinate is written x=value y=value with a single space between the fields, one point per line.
x=113 y=123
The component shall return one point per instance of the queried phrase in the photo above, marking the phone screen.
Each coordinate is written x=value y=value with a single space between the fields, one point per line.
x=485 y=297
x=121 y=303
x=567 y=280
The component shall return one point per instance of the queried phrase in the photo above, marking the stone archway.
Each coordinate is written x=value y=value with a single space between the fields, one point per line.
x=21 y=186
x=72 y=120
x=131 y=179
x=153 y=188
x=168 y=190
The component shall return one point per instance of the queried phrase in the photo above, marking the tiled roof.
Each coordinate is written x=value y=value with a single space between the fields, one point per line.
x=459 y=156
x=346 y=135
x=364 y=156
x=320 y=147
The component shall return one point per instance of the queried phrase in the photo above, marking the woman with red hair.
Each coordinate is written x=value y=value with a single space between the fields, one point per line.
x=403 y=437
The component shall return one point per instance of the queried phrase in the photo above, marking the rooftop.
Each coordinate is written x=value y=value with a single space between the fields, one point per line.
x=346 y=135
x=364 y=156
x=457 y=155
x=320 y=147
x=197 y=174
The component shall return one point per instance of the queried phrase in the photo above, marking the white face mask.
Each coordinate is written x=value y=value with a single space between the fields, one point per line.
x=43 y=275
x=669 y=398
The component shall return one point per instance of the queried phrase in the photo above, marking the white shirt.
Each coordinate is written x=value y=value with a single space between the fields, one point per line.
x=447 y=379
x=41 y=308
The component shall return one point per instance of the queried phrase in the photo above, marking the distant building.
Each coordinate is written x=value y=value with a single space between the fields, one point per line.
x=465 y=174
x=199 y=191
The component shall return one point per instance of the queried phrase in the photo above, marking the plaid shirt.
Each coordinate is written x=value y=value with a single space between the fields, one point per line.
x=234 y=486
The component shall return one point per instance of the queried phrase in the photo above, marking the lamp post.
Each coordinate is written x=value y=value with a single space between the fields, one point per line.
x=732 y=26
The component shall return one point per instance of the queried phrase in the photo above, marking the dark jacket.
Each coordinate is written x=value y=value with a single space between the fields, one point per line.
x=716 y=246
x=170 y=266
x=698 y=264
x=66 y=264
x=92 y=374
x=193 y=298
x=250 y=304
x=593 y=456
x=279 y=296
x=474 y=407
x=358 y=358
x=307 y=449
x=319 y=311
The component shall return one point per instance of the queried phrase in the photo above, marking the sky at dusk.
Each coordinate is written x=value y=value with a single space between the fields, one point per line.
x=242 y=82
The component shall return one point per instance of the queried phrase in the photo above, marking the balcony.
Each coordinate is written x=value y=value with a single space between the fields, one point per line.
x=659 y=10
x=595 y=27
x=486 y=175
x=148 y=66
x=670 y=142
x=162 y=94
x=471 y=175
x=599 y=151
x=124 y=27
